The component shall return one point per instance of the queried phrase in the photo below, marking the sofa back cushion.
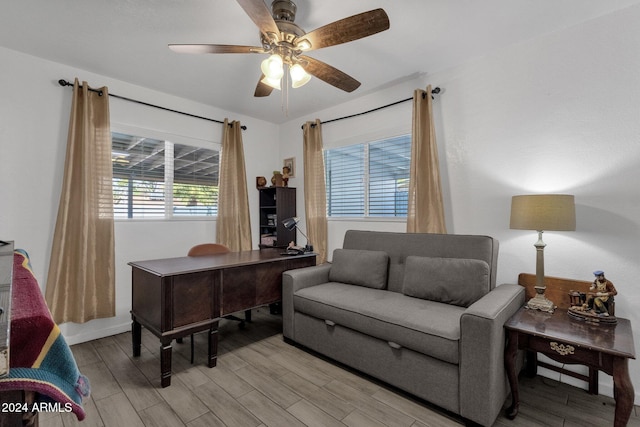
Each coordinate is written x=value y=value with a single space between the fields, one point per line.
x=449 y=280
x=360 y=267
x=401 y=245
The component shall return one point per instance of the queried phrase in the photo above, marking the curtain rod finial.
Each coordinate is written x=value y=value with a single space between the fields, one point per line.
x=63 y=82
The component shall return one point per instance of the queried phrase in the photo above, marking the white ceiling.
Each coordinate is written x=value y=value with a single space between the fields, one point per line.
x=127 y=40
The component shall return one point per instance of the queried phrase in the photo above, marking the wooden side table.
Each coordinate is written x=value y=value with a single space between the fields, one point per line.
x=606 y=348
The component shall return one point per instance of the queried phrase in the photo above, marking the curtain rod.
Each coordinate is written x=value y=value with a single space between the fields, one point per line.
x=435 y=91
x=63 y=82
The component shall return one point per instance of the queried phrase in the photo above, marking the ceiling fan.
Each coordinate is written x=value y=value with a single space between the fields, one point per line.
x=286 y=42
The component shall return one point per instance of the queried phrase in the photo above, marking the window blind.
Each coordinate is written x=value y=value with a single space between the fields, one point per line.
x=369 y=179
x=389 y=163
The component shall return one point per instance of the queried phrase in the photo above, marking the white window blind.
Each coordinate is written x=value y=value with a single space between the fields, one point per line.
x=344 y=177
x=369 y=179
x=389 y=163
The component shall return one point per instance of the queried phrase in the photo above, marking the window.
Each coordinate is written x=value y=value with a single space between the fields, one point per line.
x=154 y=178
x=370 y=179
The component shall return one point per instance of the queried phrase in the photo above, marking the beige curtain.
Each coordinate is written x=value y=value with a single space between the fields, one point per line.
x=315 y=195
x=81 y=279
x=233 y=228
x=426 y=211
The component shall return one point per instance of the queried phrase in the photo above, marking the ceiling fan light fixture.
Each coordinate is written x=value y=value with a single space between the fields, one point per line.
x=274 y=83
x=299 y=77
x=272 y=67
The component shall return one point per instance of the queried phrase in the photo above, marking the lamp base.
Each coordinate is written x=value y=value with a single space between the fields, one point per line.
x=540 y=302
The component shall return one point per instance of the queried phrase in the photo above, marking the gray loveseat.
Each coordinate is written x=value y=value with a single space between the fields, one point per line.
x=419 y=311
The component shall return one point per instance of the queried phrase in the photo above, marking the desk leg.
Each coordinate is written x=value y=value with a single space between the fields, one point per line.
x=165 y=363
x=510 y=353
x=593 y=381
x=213 y=345
x=136 y=337
x=622 y=391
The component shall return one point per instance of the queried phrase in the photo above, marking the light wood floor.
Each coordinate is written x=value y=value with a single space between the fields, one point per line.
x=262 y=381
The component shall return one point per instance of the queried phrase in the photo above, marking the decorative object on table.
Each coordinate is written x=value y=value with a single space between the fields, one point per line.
x=551 y=212
x=597 y=304
x=291 y=164
x=285 y=175
x=291 y=224
x=261 y=181
x=276 y=179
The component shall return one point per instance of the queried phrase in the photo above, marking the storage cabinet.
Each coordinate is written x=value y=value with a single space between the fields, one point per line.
x=276 y=204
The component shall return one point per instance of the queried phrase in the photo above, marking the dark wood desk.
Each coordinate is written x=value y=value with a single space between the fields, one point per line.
x=607 y=348
x=176 y=297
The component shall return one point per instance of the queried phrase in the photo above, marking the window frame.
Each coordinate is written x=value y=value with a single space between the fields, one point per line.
x=174 y=139
x=366 y=141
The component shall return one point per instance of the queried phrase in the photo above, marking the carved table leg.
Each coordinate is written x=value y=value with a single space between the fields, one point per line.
x=623 y=391
x=165 y=363
x=510 y=353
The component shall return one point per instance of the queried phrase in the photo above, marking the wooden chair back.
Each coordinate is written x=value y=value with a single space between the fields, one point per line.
x=208 y=249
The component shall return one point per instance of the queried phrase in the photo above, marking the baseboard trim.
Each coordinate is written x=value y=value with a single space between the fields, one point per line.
x=97 y=333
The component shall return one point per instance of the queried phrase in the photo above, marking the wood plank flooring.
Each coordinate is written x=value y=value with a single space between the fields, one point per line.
x=262 y=381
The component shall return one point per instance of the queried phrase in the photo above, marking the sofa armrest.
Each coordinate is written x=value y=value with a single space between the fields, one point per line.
x=294 y=280
x=483 y=385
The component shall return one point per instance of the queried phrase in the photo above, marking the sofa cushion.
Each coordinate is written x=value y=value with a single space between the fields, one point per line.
x=449 y=280
x=424 y=326
x=360 y=267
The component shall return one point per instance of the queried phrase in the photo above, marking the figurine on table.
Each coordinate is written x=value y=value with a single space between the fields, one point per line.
x=600 y=294
x=596 y=305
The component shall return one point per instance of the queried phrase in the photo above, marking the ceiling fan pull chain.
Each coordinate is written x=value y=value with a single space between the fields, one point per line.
x=287 y=86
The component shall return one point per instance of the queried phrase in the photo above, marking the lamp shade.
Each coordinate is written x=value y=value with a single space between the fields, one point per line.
x=272 y=67
x=274 y=83
x=290 y=223
x=543 y=212
x=299 y=77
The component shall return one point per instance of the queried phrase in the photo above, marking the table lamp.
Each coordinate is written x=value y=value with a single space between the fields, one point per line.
x=551 y=212
x=291 y=224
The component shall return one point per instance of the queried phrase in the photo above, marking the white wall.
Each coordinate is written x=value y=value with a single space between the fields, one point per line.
x=557 y=114
x=33 y=134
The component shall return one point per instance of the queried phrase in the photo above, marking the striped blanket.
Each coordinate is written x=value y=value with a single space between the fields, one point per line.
x=40 y=359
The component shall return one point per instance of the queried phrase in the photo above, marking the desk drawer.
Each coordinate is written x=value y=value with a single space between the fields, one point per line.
x=194 y=298
x=564 y=352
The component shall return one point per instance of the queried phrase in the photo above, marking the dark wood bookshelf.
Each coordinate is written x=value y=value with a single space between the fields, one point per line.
x=275 y=205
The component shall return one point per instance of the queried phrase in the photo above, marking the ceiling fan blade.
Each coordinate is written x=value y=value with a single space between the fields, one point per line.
x=261 y=16
x=327 y=73
x=262 y=89
x=348 y=29
x=214 y=48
